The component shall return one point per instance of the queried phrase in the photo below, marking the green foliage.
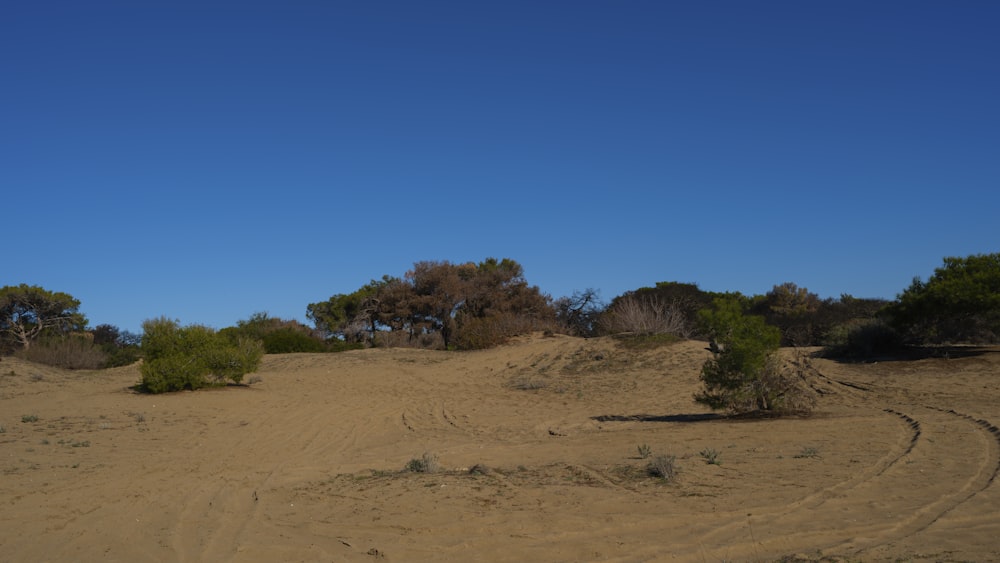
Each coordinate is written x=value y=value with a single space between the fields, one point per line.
x=121 y=348
x=29 y=311
x=862 y=339
x=743 y=374
x=278 y=336
x=959 y=303
x=193 y=357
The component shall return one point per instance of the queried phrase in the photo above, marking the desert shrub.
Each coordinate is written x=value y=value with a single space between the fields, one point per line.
x=69 y=352
x=426 y=463
x=399 y=339
x=663 y=467
x=288 y=340
x=862 y=339
x=278 y=336
x=644 y=450
x=478 y=333
x=711 y=456
x=632 y=341
x=744 y=373
x=644 y=315
x=193 y=357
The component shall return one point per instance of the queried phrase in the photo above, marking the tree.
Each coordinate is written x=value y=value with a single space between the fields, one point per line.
x=960 y=302
x=578 y=314
x=28 y=311
x=793 y=310
x=743 y=375
x=439 y=291
x=468 y=305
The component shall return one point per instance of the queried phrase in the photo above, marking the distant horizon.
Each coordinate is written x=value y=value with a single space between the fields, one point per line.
x=302 y=318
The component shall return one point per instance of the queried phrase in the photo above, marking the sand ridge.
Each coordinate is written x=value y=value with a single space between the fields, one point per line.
x=899 y=461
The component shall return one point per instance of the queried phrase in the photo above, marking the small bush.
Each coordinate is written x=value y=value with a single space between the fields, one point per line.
x=193 y=357
x=808 y=452
x=645 y=315
x=644 y=451
x=711 y=456
x=427 y=463
x=663 y=467
x=26 y=418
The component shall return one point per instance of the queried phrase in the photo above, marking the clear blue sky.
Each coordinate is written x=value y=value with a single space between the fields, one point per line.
x=208 y=160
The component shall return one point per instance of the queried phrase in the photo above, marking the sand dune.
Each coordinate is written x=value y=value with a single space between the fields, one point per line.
x=899 y=462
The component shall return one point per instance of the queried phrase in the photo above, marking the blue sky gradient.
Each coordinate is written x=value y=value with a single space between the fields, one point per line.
x=209 y=160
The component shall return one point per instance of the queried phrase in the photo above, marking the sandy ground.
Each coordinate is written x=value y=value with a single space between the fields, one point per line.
x=898 y=463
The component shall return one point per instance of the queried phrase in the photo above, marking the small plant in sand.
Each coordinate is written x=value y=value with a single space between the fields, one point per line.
x=711 y=456
x=427 y=463
x=29 y=418
x=2 y=429
x=808 y=452
x=479 y=469
x=644 y=451
x=663 y=467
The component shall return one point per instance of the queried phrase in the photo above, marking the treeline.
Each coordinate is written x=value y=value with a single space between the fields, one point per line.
x=465 y=306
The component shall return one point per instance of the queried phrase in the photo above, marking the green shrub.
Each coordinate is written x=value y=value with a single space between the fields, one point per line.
x=862 y=339
x=288 y=340
x=960 y=302
x=193 y=357
x=743 y=375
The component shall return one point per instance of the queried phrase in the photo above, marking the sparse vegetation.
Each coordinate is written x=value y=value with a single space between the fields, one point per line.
x=711 y=456
x=808 y=452
x=479 y=469
x=426 y=463
x=663 y=467
x=646 y=315
x=644 y=451
x=73 y=351
x=28 y=418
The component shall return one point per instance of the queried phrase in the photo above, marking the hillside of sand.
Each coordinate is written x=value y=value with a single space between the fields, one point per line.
x=537 y=444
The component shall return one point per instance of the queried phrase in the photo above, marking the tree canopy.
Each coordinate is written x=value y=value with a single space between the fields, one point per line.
x=960 y=302
x=467 y=305
x=29 y=311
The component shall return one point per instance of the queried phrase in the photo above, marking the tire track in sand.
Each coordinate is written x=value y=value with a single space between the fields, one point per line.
x=943 y=460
